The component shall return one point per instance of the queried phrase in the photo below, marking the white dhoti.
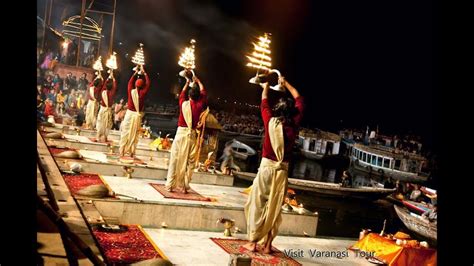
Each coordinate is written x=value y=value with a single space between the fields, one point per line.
x=183 y=153
x=129 y=132
x=268 y=191
x=130 y=127
x=182 y=158
x=91 y=114
x=104 y=122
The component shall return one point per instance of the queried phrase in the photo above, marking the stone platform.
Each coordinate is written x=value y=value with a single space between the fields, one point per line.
x=153 y=168
x=71 y=130
x=83 y=142
x=146 y=206
x=196 y=248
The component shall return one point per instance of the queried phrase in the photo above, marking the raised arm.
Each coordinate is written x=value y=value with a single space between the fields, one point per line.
x=264 y=106
x=182 y=96
x=131 y=82
x=147 y=81
x=299 y=104
x=114 y=86
x=201 y=86
x=290 y=87
x=202 y=90
x=265 y=87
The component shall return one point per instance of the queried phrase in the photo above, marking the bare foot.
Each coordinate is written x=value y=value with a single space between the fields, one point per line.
x=267 y=250
x=251 y=246
x=268 y=244
x=169 y=189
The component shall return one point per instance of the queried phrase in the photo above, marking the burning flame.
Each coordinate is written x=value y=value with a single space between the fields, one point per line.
x=65 y=44
x=260 y=58
x=112 y=61
x=139 y=57
x=187 y=58
x=98 y=64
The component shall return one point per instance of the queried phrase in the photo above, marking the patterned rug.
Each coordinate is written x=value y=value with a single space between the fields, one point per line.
x=122 y=248
x=234 y=246
x=80 y=181
x=55 y=151
x=191 y=195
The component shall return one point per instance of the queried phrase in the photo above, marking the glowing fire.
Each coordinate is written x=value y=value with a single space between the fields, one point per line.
x=139 y=57
x=112 y=61
x=98 y=64
x=65 y=44
x=187 y=58
x=260 y=58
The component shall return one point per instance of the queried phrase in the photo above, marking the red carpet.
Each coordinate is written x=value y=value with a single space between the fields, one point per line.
x=122 y=248
x=80 y=181
x=234 y=246
x=55 y=151
x=191 y=195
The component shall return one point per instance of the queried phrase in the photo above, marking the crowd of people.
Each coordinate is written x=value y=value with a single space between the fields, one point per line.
x=170 y=109
x=65 y=99
x=244 y=123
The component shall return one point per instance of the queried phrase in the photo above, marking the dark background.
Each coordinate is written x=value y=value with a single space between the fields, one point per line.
x=358 y=63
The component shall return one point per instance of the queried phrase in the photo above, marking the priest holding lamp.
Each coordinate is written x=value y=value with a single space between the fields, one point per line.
x=261 y=60
x=138 y=88
x=94 y=96
x=104 y=118
x=192 y=112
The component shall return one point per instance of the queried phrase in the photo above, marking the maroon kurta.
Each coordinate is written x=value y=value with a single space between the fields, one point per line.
x=110 y=94
x=141 y=93
x=290 y=131
x=97 y=91
x=196 y=107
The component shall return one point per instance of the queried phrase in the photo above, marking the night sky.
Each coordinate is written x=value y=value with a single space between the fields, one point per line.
x=357 y=63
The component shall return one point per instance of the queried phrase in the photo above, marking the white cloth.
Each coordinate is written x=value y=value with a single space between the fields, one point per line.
x=104 y=122
x=130 y=126
x=105 y=98
x=135 y=99
x=129 y=132
x=91 y=114
x=268 y=191
x=183 y=153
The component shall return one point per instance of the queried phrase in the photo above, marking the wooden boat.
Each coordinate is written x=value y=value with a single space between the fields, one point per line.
x=241 y=150
x=416 y=207
x=417 y=224
x=318 y=144
x=328 y=189
x=383 y=161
